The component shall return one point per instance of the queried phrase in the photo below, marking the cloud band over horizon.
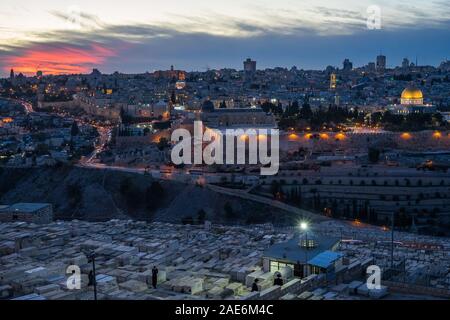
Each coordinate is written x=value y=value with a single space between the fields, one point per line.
x=308 y=34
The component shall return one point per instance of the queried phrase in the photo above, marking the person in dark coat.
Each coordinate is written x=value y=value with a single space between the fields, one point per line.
x=255 y=286
x=154 y=277
x=278 y=281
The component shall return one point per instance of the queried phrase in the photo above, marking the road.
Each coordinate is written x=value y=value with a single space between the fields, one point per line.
x=302 y=214
x=104 y=138
x=27 y=106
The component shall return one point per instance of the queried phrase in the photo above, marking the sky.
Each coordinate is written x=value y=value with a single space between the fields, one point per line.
x=135 y=36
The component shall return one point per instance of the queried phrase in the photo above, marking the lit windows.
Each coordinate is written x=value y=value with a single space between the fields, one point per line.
x=276 y=266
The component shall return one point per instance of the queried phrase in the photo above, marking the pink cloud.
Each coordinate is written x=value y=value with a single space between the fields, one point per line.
x=64 y=59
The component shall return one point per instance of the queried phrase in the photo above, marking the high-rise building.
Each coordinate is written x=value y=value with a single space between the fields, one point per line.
x=249 y=65
x=371 y=67
x=347 y=65
x=381 y=63
x=11 y=75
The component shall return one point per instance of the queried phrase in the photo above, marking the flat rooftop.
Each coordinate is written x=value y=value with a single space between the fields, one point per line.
x=291 y=250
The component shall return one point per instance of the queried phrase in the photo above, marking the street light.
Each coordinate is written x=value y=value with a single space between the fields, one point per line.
x=304 y=227
x=92 y=259
x=392 y=239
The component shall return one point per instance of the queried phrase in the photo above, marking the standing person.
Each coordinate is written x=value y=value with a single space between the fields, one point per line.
x=278 y=281
x=154 y=277
x=255 y=286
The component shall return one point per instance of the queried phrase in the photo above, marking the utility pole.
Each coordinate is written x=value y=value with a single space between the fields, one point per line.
x=304 y=226
x=392 y=239
x=92 y=257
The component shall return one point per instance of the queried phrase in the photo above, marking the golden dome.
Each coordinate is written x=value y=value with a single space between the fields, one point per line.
x=412 y=93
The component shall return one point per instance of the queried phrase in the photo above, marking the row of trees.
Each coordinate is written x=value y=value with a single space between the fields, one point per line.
x=339 y=208
x=410 y=122
x=299 y=117
x=296 y=116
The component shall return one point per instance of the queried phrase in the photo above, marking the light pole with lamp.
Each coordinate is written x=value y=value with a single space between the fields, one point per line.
x=92 y=259
x=304 y=227
x=392 y=239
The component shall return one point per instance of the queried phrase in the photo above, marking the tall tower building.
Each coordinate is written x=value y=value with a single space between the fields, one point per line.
x=249 y=65
x=333 y=81
x=347 y=65
x=381 y=63
x=11 y=74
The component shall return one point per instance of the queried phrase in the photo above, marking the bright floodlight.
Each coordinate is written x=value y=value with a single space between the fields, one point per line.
x=303 y=226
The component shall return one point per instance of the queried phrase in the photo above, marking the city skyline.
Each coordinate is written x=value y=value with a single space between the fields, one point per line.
x=220 y=158
x=59 y=38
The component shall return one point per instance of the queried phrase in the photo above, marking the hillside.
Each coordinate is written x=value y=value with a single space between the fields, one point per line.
x=96 y=195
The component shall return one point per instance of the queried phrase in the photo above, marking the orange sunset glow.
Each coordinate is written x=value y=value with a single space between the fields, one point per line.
x=64 y=60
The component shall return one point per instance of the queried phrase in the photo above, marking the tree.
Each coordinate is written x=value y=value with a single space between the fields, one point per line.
x=292 y=109
x=268 y=107
x=306 y=112
x=295 y=108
